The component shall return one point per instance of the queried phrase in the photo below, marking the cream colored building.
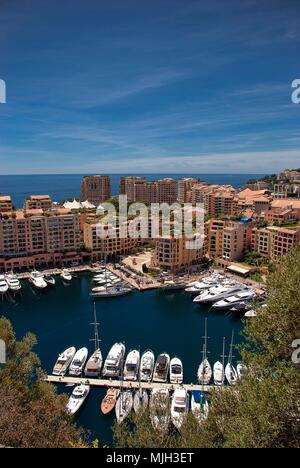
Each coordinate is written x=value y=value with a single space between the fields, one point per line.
x=5 y=204
x=38 y=202
x=172 y=254
x=185 y=186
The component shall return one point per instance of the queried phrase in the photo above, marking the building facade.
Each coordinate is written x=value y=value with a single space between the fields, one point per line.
x=95 y=189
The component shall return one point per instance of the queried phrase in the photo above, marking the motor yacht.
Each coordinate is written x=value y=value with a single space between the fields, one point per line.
x=13 y=282
x=114 y=361
x=50 y=280
x=176 y=371
x=66 y=275
x=132 y=365
x=218 y=293
x=232 y=300
x=161 y=369
x=63 y=362
x=78 y=397
x=147 y=366
x=179 y=406
x=37 y=279
x=78 y=362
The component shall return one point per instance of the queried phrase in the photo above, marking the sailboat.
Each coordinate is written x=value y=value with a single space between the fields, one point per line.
x=94 y=364
x=140 y=399
x=125 y=401
x=218 y=370
x=205 y=370
x=230 y=371
x=109 y=401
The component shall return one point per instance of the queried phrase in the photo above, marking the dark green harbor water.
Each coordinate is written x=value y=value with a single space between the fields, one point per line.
x=60 y=317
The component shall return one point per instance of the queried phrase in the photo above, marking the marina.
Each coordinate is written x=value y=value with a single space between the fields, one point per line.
x=61 y=316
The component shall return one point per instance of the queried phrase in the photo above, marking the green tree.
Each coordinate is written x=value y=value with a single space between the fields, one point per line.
x=32 y=415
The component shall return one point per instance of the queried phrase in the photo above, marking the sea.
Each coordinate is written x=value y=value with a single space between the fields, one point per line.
x=61 y=317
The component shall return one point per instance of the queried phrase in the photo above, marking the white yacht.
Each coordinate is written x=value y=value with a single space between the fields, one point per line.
x=147 y=366
x=160 y=409
x=206 y=283
x=132 y=365
x=37 y=279
x=94 y=364
x=161 y=369
x=63 y=362
x=114 y=361
x=124 y=405
x=176 y=371
x=219 y=292
x=50 y=280
x=114 y=291
x=78 y=397
x=78 y=362
x=13 y=282
x=230 y=371
x=204 y=370
x=232 y=300
x=140 y=400
x=66 y=275
x=219 y=370
x=199 y=405
x=179 y=407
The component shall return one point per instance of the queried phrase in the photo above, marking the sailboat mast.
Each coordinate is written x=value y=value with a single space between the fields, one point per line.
x=231 y=347
x=97 y=341
x=223 y=359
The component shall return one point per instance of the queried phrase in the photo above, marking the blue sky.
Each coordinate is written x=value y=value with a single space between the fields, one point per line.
x=149 y=86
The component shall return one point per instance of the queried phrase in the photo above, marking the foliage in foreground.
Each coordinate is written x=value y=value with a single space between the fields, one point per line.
x=264 y=409
x=32 y=415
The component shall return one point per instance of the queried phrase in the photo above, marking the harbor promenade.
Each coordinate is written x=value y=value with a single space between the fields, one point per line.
x=126 y=385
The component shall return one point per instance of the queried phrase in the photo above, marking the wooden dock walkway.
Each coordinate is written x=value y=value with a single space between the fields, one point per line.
x=126 y=384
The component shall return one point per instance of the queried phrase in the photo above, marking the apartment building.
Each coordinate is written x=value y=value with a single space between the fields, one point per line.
x=95 y=189
x=214 y=230
x=38 y=202
x=173 y=254
x=138 y=189
x=185 y=186
x=5 y=204
x=236 y=241
x=274 y=242
x=33 y=234
x=114 y=244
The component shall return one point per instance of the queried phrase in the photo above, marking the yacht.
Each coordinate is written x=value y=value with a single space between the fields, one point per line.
x=13 y=283
x=218 y=293
x=147 y=366
x=232 y=300
x=161 y=369
x=3 y=285
x=66 y=275
x=218 y=369
x=172 y=285
x=124 y=405
x=132 y=364
x=50 y=280
x=199 y=405
x=160 y=409
x=206 y=283
x=140 y=400
x=78 y=362
x=37 y=279
x=230 y=371
x=176 y=371
x=205 y=370
x=63 y=362
x=94 y=364
x=115 y=291
x=109 y=401
x=179 y=407
x=78 y=397
x=114 y=361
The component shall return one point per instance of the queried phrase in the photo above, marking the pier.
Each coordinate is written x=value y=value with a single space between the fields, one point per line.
x=125 y=384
